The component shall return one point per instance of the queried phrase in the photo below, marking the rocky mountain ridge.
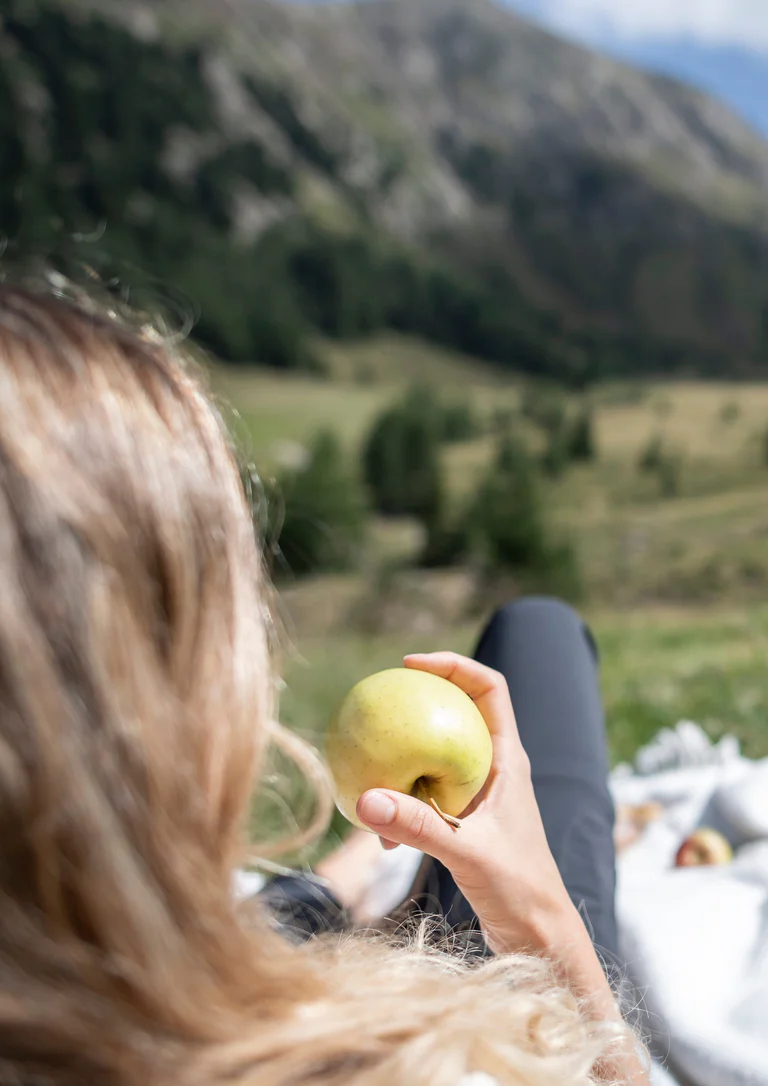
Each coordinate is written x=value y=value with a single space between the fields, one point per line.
x=615 y=218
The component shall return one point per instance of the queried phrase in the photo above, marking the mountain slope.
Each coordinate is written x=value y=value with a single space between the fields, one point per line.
x=431 y=165
x=481 y=69
x=478 y=70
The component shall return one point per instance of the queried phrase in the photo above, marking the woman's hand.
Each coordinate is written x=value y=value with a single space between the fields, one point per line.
x=499 y=857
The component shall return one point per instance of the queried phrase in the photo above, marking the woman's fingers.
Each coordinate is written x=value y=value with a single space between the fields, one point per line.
x=487 y=688
x=405 y=820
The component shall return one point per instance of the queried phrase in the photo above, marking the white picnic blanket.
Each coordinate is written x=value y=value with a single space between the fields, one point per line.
x=696 y=940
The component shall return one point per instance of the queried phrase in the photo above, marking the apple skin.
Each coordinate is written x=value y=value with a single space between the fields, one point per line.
x=704 y=848
x=399 y=726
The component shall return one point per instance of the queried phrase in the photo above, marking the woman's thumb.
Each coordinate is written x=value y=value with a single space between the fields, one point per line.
x=407 y=821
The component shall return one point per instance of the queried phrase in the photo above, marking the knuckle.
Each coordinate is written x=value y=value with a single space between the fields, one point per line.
x=454 y=661
x=421 y=824
x=495 y=681
x=492 y=675
x=497 y=678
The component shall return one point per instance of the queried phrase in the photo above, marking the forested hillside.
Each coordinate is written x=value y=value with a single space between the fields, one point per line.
x=439 y=169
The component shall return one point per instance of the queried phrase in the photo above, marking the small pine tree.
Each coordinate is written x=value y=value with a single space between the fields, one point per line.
x=510 y=528
x=448 y=542
x=554 y=460
x=458 y=423
x=508 y=514
x=581 y=439
x=669 y=476
x=729 y=412
x=401 y=458
x=652 y=456
x=656 y=459
x=544 y=406
x=324 y=512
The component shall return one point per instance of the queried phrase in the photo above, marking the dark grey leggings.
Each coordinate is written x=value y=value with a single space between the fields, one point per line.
x=549 y=660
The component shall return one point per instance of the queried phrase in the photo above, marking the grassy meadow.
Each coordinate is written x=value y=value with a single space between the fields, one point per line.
x=676 y=579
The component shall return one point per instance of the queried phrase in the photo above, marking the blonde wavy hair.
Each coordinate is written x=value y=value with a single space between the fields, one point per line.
x=136 y=709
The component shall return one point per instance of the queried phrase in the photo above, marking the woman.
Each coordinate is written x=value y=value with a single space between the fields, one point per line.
x=136 y=708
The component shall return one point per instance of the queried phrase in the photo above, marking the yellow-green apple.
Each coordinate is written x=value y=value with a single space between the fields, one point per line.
x=705 y=847
x=412 y=732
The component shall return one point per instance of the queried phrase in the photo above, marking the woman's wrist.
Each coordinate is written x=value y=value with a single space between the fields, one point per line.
x=554 y=930
x=533 y=919
x=562 y=938
x=575 y=958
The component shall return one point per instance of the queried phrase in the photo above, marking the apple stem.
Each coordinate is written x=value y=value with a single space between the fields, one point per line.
x=454 y=822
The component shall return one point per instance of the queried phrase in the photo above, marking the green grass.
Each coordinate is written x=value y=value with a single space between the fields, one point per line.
x=390 y=360
x=274 y=409
x=657 y=668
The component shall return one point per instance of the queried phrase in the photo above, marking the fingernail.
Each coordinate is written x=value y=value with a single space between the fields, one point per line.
x=377 y=809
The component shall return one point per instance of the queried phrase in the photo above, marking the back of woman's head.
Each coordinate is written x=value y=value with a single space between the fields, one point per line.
x=135 y=705
x=134 y=675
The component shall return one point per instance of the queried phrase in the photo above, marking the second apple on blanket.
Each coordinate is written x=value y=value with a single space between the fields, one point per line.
x=705 y=847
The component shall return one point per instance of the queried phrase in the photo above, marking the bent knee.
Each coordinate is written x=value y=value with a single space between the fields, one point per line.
x=525 y=608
